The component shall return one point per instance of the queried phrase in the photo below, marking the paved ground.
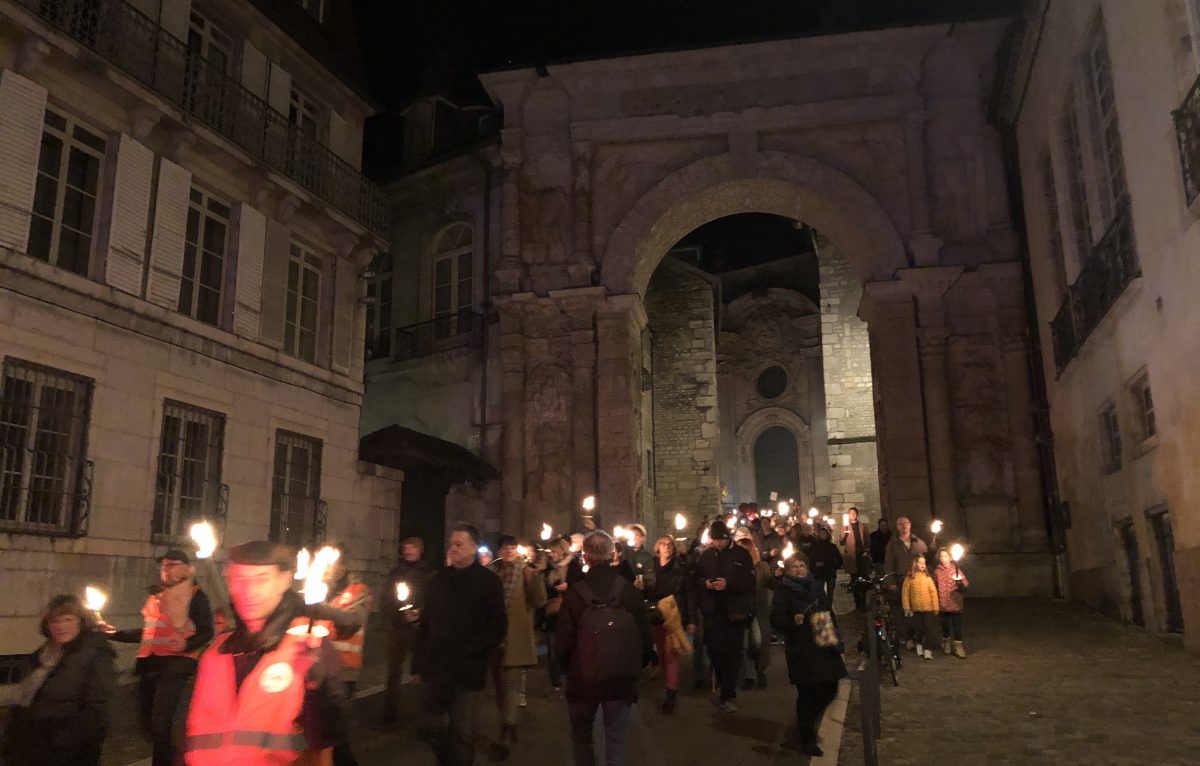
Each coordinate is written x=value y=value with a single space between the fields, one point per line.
x=1045 y=682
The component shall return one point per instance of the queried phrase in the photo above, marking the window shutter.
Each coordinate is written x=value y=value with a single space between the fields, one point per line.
x=340 y=137
x=254 y=70
x=176 y=16
x=170 y=232
x=345 y=310
x=127 y=206
x=274 y=284
x=22 y=111
x=279 y=89
x=250 y=232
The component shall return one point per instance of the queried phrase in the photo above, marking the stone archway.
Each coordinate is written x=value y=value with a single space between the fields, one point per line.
x=790 y=185
x=753 y=427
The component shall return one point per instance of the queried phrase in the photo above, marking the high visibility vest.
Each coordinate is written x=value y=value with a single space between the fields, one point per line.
x=158 y=634
x=350 y=649
x=257 y=724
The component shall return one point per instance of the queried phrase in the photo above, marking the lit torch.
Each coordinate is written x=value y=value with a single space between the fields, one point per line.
x=303 y=559
x=782 y=508
x=315 y=588
x=845 y=520
x=788 y=551
x=813 y=513
x=680 y=522
x=936 y=527
x=705 y=537
x=589 y=503
x=205 y=538
x=547 y=532
x=402 y=596
x=956 y=553
x=95 y=600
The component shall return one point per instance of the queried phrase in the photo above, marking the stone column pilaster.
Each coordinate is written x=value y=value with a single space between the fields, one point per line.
x=512 y=392
x=619 y=324
x=508 y=272
x=923 y=245
x=581 y=200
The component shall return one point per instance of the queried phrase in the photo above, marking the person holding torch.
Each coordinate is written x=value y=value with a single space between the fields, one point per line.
x=400 y=617
x=951 y=584
x=269 y=691
x=524 y=594
x=856 y=558
x=177 y=623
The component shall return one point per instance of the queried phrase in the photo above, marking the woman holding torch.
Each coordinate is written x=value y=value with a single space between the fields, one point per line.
x=951 y=583
x=856 y=556
x=524 y=593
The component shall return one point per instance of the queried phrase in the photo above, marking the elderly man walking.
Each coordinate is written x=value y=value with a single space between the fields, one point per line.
x=897 y=561
x=603 y=640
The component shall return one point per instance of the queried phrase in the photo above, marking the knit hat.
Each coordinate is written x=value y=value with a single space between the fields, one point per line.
x=718 y=531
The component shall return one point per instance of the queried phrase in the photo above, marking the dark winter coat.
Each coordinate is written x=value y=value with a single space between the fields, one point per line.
x=566 y=635
x=807 y=663
x=68 y=719
x=824 y=559
x=671 y=580
x=463 y=621
x=735 y=565
x=879 y=541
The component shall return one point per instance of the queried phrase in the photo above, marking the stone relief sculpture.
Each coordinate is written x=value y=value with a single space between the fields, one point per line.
x=547 y=471
x=979 y=416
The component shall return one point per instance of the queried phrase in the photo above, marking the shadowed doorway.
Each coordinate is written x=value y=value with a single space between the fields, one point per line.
x=776 y=465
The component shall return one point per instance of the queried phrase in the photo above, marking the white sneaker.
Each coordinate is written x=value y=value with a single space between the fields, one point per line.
x=920 y=650
x=928 y=655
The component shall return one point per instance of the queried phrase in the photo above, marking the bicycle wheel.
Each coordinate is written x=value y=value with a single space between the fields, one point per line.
x=892 y=664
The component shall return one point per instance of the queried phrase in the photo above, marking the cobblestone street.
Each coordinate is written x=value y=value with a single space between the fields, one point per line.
x=1045 y=682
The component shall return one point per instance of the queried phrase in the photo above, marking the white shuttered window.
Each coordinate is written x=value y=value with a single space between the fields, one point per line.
x=128 y=182
x=250 y=239
x=22 y=110
x=170 y=229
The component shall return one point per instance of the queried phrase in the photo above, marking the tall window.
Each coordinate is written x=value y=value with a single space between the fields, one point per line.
x=209 y=60
x=306 y=114
x=303 y=302
x=64 y=205
x=1053 y=224
x=203 y=277
x=188 y=485
x=453 y=271
x=1143 y=402
x=1106 y=130
x=1110 y=438
x=379 y=308
x=296 y=514
x=1076 y=173
x=43 y=440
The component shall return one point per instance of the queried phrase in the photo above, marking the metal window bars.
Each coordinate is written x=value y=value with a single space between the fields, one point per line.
x=1187 y=133
x=461 y=330
x=45 y=479
x=298 y=514
x=136 y=44
x=188 y=484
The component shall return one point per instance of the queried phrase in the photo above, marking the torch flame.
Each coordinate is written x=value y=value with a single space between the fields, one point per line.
x=95 y=598
x=782 y=508
x=618 y=532
x=813 y=513
x=788 y=552
x=205 y=538
x=523 y=551
x=936 y=526
x=402 y=592
x=705 y=538
x=315 y=587
x=303 y=558
x=957 y=551
x=575 y=547
x=680 y=522
x=547 y=531
x=589 y=503
x=845 y=519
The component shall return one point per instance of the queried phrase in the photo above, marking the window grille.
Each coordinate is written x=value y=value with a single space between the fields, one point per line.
x=64 y=203
x=188 y=485
x=1143 y=400
x=45 y=481
x=297 y=513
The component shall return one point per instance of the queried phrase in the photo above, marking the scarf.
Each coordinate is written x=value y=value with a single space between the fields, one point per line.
x=805 y=595
x=48 y=658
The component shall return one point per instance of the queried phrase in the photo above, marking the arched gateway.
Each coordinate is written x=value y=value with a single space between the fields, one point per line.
x=607 y=164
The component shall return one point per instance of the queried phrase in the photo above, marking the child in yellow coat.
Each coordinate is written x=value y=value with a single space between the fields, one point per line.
x=920 y=600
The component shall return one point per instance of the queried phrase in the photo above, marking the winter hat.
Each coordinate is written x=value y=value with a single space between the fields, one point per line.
x=505 y=540
x=175 y=554
x=264 y=553
x=718 y=531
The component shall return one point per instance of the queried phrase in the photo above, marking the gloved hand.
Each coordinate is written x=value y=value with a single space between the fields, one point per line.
x=908 y=613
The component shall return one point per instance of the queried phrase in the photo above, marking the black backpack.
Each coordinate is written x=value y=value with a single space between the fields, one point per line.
x=610 y=647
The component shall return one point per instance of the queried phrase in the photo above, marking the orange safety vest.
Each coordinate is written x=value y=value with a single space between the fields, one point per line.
x=350 y=649
x=257 y=724
x=158 y=633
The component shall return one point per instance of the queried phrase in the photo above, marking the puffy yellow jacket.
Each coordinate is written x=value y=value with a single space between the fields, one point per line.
x=920 y=593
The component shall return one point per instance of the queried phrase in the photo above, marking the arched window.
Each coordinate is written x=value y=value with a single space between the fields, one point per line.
x=453 y=269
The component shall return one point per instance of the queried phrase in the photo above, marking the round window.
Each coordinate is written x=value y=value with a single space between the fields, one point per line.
x=772 y=382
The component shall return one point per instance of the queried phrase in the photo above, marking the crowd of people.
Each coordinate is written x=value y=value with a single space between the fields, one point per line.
x=267 y=678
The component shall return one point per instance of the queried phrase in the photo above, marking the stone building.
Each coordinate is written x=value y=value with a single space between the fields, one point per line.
x=182 y=231
x=1105 y=109
x=878 y=141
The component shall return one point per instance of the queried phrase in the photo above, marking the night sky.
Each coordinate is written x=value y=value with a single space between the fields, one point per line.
x=413 y=46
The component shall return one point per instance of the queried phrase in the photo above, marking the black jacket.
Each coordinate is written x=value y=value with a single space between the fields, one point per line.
x=326 y=699
x=672 y=580
x=735 y=565
x=600 y=580
x=807 y=663
x=416 y=575
x=464 y=619
x=68 y=719
x=824 y=559
x=879 y=541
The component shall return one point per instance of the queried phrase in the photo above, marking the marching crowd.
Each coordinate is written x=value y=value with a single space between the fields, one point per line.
x=267 y=678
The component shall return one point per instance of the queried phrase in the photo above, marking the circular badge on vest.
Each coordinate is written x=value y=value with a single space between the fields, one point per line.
x=276 y=678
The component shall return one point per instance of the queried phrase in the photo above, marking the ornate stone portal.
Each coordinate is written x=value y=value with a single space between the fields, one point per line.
x=603 y=174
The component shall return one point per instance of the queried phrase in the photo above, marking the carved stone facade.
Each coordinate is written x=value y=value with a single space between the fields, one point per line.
x=879 y=141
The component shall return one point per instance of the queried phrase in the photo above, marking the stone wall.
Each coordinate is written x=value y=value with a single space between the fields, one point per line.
x=849 y=394
x=679 y=309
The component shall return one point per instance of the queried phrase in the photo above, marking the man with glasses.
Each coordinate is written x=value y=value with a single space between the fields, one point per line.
x=177 y=623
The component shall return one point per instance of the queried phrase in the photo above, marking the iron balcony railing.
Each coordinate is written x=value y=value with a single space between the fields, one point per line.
x=461 y=330
x=1112 y=265
x=136 y=44
x=1187 y=132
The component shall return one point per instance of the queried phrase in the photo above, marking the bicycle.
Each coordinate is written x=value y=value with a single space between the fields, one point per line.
x=885 y=633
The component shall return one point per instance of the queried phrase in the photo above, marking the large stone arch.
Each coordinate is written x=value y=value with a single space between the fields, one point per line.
x=759 y=421
x=768 y=182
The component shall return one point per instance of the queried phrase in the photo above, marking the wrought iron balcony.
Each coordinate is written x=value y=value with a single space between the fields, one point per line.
x=1112 y=265
x=461 y=330
x=136 y=44
x=1187 y=132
